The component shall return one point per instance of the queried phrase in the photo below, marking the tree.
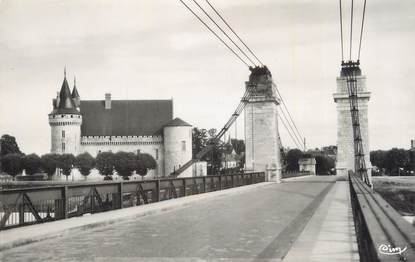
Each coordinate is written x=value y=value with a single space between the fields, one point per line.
x=12 y=164
x=140 y=168
x=49 y=163
x=105 y=164
x=324 y=164
x=397 y=158
x=292 y=158
x=378 y=158
x=9 y=145
x=148 y=160
x=199 y=140
x=125 y=164
x=66 y=163
x=85 y=162
x=238 y=145
x=32 y=164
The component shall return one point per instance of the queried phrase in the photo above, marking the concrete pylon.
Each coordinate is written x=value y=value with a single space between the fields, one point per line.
x=345 y=142
x=261 y=125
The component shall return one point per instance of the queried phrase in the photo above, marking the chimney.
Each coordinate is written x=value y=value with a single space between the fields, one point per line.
x=413 y=144
x=107 y=101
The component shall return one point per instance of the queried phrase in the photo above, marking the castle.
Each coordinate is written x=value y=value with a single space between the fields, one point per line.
x=95 y=126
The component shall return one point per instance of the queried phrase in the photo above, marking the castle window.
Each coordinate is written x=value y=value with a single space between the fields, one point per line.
x=183 y=145
x=157 y=154
x=63 y=133
x=63 y=147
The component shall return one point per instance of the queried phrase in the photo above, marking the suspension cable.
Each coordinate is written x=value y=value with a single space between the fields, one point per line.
x=227 y=24
x=291 y=128
x=213 y=32
x=292 y=138
x=341 y=28
x=286 y=108
x=220 y=28
x=351 y=31
x=361 y=29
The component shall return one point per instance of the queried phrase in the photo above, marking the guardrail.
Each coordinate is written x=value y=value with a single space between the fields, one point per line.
x=382 y=234
x=20 y=207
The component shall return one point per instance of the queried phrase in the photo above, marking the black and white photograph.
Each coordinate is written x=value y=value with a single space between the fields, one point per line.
x=207 y=130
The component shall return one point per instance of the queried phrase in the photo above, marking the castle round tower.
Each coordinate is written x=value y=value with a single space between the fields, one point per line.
x=177 y=146
x=65 y=121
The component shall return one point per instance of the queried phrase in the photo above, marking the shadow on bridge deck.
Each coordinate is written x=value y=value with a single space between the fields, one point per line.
x=257 y=224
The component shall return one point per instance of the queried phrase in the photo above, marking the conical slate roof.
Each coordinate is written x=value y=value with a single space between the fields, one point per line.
x=75 y=93
x=66 y=103
x=177 y=122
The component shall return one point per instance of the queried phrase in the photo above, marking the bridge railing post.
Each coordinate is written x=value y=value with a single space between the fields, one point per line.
x=65 y=202
x=204 y=184
x=184 y=187
x=157 y=191
x=120 y=194
x=220 y=182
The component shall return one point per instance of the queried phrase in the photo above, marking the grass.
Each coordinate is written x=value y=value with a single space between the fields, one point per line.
x=399 y=192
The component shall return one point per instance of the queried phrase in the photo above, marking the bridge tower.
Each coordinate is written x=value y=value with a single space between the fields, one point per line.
x=261 y=125
x=345 y=140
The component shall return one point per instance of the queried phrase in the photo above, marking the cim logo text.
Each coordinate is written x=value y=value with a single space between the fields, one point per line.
x=388 y=250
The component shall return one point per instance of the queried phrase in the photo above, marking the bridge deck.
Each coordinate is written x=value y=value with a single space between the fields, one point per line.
x=258 y=224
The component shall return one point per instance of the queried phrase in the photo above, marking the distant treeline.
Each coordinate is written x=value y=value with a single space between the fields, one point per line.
x=395 y=161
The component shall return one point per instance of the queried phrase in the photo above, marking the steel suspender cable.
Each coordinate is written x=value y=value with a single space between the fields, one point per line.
x=351 y=31
x=284 y=105
x=341 y=28
x=220 y=28
x=213 y=32
x=227 y=24
x=282 y=121
x=361 y=30
x=291 y=128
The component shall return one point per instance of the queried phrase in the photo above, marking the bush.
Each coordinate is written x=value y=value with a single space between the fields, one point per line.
x=125 y=164
x=49 y=163
x=66 y=163
x=85 y=162
x=12 y=164
x=31 y=164
x=105 y=164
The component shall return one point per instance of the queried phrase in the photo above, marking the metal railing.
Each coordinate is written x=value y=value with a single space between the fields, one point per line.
x=20 y=207
x=382 y=234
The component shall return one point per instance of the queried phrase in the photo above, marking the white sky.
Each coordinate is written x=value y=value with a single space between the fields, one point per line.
x=155 y=49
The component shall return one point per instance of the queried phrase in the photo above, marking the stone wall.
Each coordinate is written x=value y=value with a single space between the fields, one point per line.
x=177 y=148
x=307 y=165
x=261 y=134
x=152 y=145
x=65 y=133
x=345 y=143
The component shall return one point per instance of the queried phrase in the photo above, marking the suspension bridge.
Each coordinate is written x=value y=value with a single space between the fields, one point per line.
x=256 y=215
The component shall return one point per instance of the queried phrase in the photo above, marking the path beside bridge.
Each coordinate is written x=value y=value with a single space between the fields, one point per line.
x=259 y=224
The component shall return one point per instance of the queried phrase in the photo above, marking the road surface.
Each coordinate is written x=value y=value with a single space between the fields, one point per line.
x=259 y=224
